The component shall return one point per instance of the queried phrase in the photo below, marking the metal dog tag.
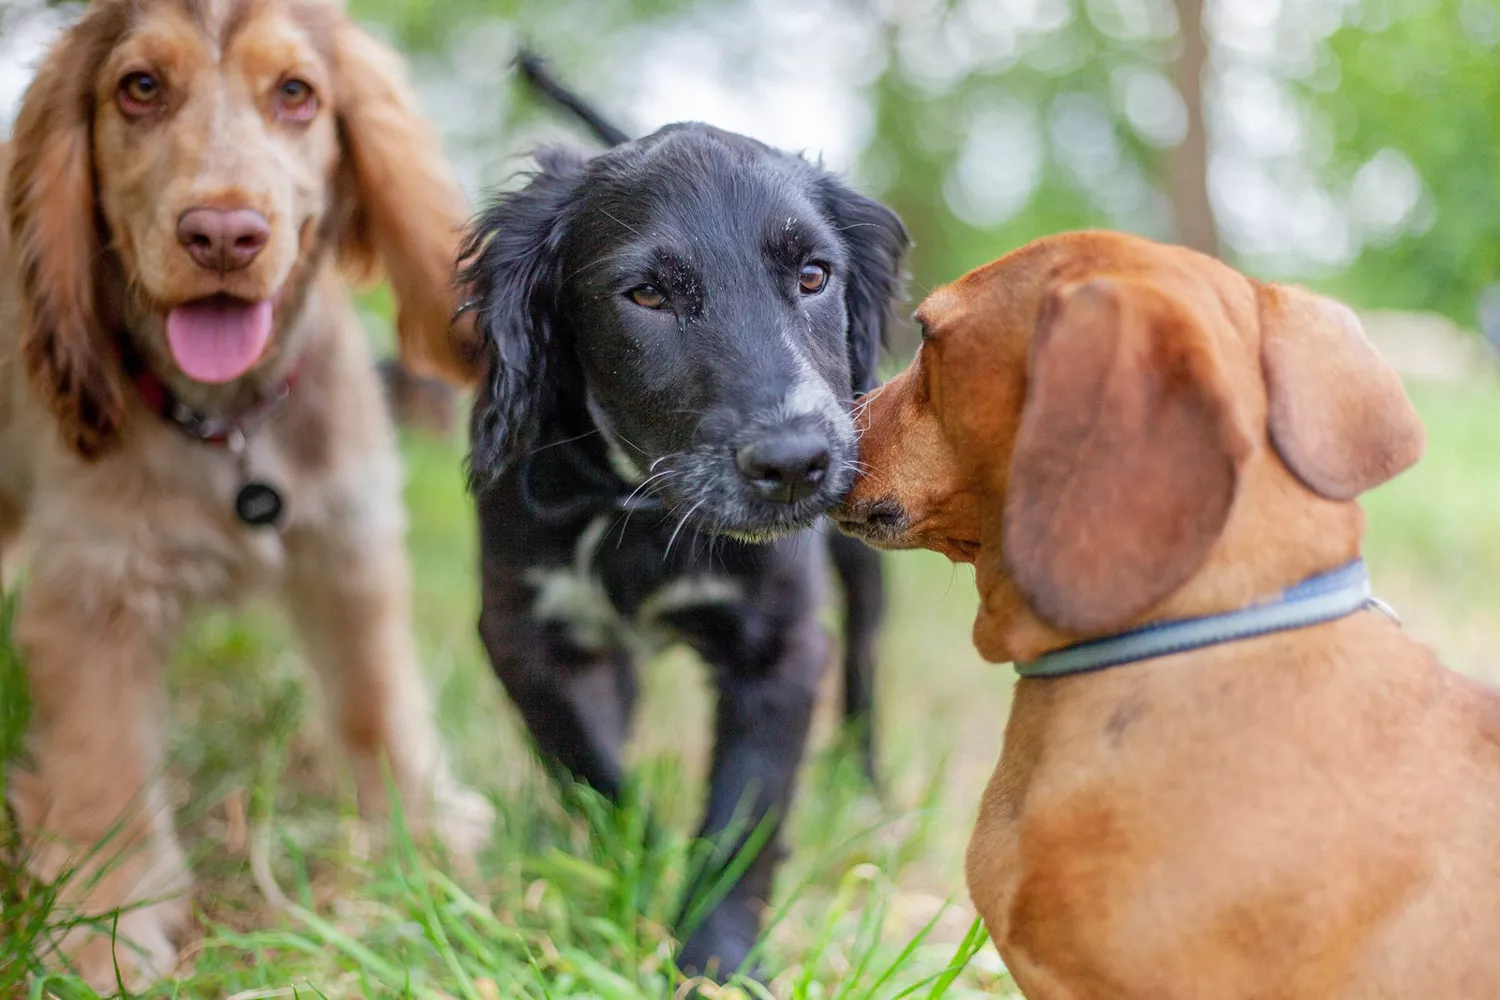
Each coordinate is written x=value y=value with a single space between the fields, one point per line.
x=258 y=504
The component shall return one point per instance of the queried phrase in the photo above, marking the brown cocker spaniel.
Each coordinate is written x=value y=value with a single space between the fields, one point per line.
x=189 y=414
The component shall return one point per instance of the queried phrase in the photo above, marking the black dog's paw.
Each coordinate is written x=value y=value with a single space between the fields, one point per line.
x=857 y=743
x=720 y=945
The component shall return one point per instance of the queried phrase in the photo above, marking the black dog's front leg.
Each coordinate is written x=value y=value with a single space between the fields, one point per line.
x=766 y=701
x=577 y=703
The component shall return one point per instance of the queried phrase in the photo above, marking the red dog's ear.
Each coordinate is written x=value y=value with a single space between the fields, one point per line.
x=1127 y=458
x=56 y=238
x=406 y=210
x=1338 y=414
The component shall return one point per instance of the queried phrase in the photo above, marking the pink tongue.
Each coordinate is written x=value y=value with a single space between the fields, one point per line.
x=219 y=339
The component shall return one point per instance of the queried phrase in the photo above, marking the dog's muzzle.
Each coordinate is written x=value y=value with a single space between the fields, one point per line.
x=787 y=465
x=875 y=521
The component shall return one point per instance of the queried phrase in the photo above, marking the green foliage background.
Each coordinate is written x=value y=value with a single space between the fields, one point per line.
x=1420 y=77
x=1423 y=77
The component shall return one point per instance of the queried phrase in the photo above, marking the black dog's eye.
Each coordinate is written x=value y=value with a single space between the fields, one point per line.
x=812 y=277
x=647 y=297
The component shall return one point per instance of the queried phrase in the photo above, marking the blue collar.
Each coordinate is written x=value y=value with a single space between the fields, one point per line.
x=1318 y=599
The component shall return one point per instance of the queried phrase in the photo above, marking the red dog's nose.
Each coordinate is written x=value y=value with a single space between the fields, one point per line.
x=223 y=241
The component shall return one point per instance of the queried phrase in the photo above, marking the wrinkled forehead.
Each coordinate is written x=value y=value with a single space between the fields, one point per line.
x=1003 y=300
x=251 y=37
x=998 y=299
x=987 y=315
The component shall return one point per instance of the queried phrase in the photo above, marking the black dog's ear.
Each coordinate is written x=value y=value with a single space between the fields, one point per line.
x=510 y=266
x=875 y=241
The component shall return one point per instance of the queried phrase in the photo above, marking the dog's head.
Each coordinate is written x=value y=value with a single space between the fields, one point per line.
x=712 y=303
x=180 y=171
x=1117 y=431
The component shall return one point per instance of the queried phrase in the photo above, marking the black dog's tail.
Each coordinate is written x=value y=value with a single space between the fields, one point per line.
x=534 y=70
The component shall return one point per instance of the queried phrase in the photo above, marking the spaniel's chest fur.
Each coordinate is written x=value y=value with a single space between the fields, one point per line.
x=161 y=513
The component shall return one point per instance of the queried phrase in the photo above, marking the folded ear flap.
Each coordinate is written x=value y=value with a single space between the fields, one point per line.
x=55 y=228
x=875 y=241
x=1338 y=414
x=405 y=211
x=511 y=267
x=1127 y=458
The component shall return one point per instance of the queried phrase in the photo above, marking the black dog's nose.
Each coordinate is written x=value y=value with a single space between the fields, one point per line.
x=785 y=467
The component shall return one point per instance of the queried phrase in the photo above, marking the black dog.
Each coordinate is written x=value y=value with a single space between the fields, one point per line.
x=676 y=331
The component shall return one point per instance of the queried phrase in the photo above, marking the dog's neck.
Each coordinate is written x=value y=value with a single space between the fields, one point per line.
x=1278 y=536
x=621 y=463
x=575 y=471
x=1322 y=598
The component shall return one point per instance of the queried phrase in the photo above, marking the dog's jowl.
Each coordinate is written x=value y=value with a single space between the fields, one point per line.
x=677 y=329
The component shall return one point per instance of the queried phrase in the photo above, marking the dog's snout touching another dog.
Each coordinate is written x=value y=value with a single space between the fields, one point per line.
x=880 y=522
x=721 y=301
x=787 y=466
x=1225 y=772
x=676 y=330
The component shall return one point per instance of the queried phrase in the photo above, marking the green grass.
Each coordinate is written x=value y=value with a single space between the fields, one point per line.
x=568 y=901
x=573 y=902
x=1433 y=541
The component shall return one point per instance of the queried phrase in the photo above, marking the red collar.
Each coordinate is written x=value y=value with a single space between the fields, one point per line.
x=218 y=431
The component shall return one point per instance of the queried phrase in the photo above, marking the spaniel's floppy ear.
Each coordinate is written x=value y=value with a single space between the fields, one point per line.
x=1338 y=414
x=1127 y=458
x=58 y=241
x=875 y=241
x=511 y=266
x=406 y=211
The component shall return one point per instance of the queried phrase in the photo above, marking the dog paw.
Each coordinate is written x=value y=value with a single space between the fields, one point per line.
x=720 y=946
x=121 y=910
x=463 y=820
x=139 y=949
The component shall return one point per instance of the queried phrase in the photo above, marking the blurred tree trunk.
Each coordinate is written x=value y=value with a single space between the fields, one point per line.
x=1192 y=213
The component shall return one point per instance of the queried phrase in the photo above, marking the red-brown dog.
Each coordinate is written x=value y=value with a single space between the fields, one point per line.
x=1119 y=433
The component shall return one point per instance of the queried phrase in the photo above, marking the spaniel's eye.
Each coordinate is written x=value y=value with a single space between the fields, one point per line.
x=296 y=100
x=139 y=93
x=812 y=277
x=647 y=297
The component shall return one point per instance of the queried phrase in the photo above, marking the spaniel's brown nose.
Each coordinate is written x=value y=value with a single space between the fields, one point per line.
x=223 y=241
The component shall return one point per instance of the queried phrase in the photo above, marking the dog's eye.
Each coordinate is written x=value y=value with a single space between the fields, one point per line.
x=647 y=297
x=296 y=100
x=812 y=277
x=139 y=93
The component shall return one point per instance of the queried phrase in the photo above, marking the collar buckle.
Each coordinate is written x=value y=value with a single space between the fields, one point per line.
x=1378 y=605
